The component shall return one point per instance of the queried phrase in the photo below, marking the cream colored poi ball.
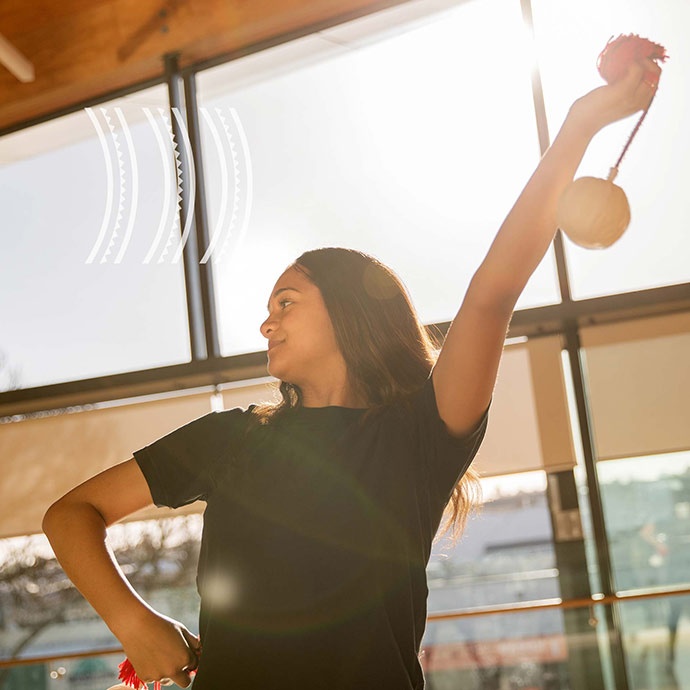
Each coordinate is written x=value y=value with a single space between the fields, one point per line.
x=593 y=213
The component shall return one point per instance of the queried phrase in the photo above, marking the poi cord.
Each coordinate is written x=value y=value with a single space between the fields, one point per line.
x=614 y=170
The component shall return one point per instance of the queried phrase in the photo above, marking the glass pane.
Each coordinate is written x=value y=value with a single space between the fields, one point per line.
x=505 y=555
x=656 y=642
x=562 y=650
x=83 y=200
x=411 y=146
x=515 y=650
x=647 y=509
x=654 y=173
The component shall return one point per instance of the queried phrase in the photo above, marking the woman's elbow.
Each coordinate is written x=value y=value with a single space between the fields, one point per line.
x=66 y=515
x=53 y=518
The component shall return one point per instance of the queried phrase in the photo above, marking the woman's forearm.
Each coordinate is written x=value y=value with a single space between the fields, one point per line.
x=77 y=533
x=529 y=228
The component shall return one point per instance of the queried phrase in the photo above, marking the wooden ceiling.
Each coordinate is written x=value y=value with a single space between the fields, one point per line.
x=84 y=49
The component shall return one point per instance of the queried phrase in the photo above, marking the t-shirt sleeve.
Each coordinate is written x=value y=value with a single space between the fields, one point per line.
x=446 y=456
x=182 y=467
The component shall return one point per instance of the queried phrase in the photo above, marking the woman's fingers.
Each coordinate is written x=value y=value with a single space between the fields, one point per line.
x=650 y=80
x=191 y=639
x=653 y=70
x=194 y=644
x=181 y=678
x=647 y=82
x=182 y=675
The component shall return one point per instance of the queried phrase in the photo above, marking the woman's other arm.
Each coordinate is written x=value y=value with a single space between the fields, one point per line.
x=76 y=528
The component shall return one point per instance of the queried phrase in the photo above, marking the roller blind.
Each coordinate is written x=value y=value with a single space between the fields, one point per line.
x=528 y=423
x=44 y=458
x=529 y=427
x=638 y=378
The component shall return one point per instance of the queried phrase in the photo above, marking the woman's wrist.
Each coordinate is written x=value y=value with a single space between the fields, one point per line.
x=581 y=124
x=128 y=619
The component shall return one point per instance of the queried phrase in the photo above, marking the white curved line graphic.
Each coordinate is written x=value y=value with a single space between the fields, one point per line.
x=224 y=186
x=166 y=185
x=237 y=185
x=135 y=186
x=250 y=186
x=172 y=234
x=121 y=200
x=109 y=181
x=191 y=184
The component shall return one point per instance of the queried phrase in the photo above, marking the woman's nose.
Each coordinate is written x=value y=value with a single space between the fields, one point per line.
x=267 y=327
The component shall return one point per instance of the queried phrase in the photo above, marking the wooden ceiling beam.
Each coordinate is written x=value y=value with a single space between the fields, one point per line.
x=84 y=49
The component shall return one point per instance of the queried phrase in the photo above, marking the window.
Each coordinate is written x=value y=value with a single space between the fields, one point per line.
x=72 y=309
x=411 y=145
x=647 y=509
x=654 y=250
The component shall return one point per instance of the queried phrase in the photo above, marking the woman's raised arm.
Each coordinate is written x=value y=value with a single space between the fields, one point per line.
x=465 y=373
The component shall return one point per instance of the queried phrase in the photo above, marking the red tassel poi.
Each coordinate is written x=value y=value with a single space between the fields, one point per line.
x=619 y=53
x=129 y=677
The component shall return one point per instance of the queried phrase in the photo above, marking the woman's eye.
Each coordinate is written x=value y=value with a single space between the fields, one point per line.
x=284 y=302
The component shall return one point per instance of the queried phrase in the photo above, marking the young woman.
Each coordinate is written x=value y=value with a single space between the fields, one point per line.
x=321 y=510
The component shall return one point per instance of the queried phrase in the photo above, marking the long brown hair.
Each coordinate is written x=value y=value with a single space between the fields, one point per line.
x=388 y=352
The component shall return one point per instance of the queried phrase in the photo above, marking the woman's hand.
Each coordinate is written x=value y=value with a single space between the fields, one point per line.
x=160 y=647
x=613 y=102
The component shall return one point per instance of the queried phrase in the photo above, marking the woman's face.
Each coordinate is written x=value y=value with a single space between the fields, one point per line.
x=302 y=347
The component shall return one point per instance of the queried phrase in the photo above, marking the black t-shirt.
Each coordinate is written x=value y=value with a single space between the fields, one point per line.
x=317 y=532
